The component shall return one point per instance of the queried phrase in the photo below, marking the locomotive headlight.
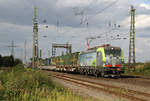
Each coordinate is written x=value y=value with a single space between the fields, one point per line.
x=106 y=62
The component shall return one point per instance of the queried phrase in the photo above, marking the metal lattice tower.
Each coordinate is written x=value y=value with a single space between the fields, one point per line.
x=131 y=65
x=12 y=46
x=35 y=40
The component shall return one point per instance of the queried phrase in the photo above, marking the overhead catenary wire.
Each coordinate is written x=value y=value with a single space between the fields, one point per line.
x=106 y=7
x=87 y=19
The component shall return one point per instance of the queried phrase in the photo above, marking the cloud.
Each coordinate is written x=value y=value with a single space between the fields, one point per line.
x=141 y=21
x=16 y=24
x=142 y=49
x=72 y=3
x=146 y=6
x=5 y=25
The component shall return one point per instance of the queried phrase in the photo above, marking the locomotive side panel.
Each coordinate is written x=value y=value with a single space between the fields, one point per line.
x=87 y=63
x=87 y=59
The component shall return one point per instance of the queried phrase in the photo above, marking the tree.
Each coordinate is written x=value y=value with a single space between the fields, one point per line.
x=17 y=61
x=8 y=61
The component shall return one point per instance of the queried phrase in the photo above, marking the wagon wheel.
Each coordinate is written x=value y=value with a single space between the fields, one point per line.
x=86 y=72
x=96 y=74
x=102 y=74
x=81 y=71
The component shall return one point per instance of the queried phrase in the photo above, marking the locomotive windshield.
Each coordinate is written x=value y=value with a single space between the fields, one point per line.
x=112 y=51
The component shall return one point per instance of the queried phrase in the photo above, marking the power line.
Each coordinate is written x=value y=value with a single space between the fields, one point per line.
x=87 y=7
x=87 y=22
x=87 y=19
x=108 y=6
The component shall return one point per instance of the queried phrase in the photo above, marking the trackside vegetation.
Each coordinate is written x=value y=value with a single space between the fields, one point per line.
x=9 y=61
x=20 y=84
x=142 y=69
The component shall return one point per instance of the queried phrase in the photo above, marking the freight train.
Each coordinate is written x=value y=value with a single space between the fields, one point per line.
x=104 y=60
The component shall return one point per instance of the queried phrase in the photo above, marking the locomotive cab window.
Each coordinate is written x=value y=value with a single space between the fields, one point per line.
x=113 y=52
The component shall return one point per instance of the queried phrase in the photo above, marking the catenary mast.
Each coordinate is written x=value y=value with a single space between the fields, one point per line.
x=131 y=65
x=35 y=40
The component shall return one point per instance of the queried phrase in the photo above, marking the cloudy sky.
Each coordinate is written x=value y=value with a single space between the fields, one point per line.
x=73 y=21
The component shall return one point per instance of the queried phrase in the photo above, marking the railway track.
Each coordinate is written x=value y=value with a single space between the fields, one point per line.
x=129 y=94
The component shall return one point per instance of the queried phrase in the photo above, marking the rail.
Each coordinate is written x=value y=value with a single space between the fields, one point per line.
x=117 y=91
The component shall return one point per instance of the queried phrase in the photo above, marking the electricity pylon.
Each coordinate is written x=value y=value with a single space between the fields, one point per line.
x=12 y=48
x=131 y=65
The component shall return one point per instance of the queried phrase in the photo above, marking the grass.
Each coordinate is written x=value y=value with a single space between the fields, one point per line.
x=141 y=70
x=19 y=84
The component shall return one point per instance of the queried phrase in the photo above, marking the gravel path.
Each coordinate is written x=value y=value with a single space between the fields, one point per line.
x=86 y=92
x=137 y=84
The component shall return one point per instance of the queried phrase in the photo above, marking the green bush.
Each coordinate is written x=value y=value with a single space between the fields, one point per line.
x=144 y=70
x=9 y=61
x=20 y=84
